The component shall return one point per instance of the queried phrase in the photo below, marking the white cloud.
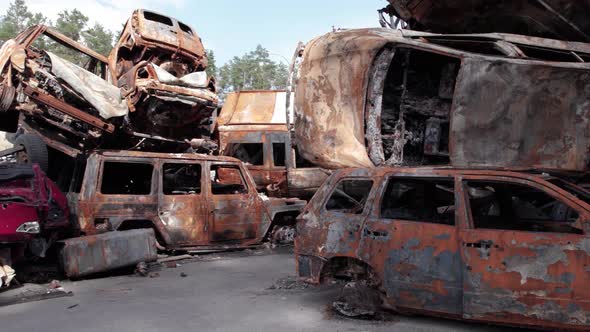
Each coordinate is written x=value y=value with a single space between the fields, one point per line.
x=110 y=13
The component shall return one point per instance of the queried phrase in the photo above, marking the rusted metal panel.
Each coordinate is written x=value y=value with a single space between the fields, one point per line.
x=247 y=108
x=97 y=253
x=544 y=122
x=513 y=277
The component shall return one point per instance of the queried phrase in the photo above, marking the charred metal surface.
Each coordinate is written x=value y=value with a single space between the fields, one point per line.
x=97 y=253
x=457 y=268
x=159 y=63
x=373 y=97
x=561 y=19
x=201 y=202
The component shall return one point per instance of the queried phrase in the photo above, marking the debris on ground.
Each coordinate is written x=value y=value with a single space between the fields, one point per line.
x=174 y=258
x=141 y=269
x=7 y=274
x=358 y=300
x=289 y=283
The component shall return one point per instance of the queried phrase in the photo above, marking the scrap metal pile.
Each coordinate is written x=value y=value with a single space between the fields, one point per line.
x=150 y=100
x=151 y=93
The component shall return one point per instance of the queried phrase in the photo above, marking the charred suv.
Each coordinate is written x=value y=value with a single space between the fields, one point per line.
x=483 y=245
x=191 y=201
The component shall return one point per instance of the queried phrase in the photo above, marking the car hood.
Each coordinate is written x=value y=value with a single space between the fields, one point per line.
x=558 y=19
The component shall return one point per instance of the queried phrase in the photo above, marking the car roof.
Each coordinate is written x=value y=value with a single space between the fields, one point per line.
x=160 y=155
x=522 y=173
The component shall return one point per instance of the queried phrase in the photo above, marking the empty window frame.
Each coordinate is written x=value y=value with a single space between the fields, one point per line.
x=185 y=28
x=251 y=153
x=150 y=16
x=278 y=154
x=417 y=98
x=301 y=162
x=509 y=206
x=350 y=196
x=227 y=180
x=181 y=179
x=126 y=178
x=425 y=200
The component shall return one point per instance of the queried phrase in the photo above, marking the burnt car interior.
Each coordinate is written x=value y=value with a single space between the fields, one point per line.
x=227 y=180
x=181 y=179
x=126 y=178
x=250 y=153
x=497 y=205
x=417 y=98
x=349 y=196
x=425 y=200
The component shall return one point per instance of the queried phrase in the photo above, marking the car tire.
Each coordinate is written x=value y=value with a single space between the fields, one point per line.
x=35 y=151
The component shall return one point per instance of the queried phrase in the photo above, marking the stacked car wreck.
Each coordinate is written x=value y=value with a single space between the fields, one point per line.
x=90 y=122
x=495 y=228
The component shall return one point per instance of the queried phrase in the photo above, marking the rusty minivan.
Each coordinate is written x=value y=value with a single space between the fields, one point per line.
x=492 y=246
x=191 y=201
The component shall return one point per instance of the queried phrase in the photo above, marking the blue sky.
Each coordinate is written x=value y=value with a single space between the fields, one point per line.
x=233 y=27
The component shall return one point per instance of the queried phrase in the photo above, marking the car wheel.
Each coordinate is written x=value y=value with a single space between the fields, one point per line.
x=35 y=151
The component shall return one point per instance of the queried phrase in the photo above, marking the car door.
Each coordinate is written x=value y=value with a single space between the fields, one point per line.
x=412 y=241
x=525 y=254
x=182 y=206
x=234 y=215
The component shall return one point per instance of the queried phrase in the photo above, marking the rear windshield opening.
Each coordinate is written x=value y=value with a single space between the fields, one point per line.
x=185 y=28
x=157 y=18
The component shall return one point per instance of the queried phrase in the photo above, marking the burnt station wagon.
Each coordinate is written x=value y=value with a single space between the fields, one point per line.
x=492 y=246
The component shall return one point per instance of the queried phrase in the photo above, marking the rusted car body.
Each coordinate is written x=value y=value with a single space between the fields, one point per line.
x=190 y=200
x=31 y=84
x=252 y=126
x=491 y=246
x=372 y=97
x=159 y=63
x=132 y=99
x=560 y=19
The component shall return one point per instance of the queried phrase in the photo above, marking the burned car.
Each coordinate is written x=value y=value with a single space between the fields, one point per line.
x=492 y=246
x=159 y=63
x=191 y=201
x=77 y=99
x=33 y=214
x=252 y=126
x=373 y=97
